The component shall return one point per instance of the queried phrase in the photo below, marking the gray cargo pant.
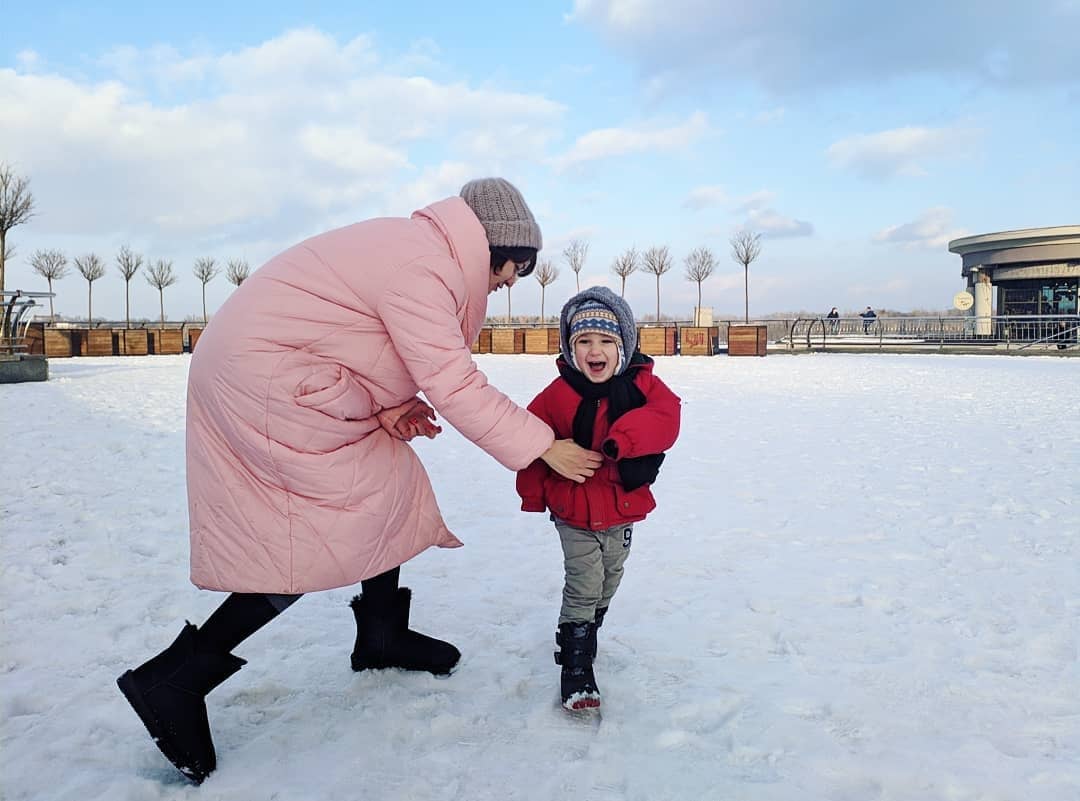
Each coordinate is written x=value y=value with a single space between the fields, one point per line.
x=594 y=567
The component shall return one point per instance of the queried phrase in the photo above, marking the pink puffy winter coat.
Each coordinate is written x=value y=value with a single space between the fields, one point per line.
x=292 y=484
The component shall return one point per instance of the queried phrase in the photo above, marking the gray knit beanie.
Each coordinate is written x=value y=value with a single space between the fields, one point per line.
x=503 y=213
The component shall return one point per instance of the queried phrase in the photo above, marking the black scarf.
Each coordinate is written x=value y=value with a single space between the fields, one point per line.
x=623 y=395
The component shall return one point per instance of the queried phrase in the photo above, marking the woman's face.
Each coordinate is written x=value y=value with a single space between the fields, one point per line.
x=503 y=277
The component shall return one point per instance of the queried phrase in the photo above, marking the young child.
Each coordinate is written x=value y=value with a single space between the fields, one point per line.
x=608 y=400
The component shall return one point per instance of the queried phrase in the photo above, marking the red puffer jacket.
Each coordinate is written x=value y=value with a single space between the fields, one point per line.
x=601 y=502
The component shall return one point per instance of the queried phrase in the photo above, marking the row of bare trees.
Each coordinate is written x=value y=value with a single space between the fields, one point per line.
x=52 y=265
x=17 y=206
x=657 y=261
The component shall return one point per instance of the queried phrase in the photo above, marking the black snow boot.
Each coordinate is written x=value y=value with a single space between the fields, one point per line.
x=168 y=693
x=384 y=640
x=599 y=621
x=577 y=643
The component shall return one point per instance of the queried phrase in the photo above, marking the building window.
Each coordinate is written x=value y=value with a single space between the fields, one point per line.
x=1039 y=297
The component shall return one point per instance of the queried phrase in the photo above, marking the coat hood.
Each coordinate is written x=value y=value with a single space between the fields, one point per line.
x=621 y=309
x=468 y=247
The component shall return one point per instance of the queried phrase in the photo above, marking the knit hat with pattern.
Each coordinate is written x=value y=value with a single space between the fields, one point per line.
x=598 y=310
x=503 y=212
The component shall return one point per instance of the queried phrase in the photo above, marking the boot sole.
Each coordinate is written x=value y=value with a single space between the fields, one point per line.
x=581 y=702
x=158 y=732
x=360 y=665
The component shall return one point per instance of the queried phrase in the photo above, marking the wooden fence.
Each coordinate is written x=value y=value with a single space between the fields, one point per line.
x=55 y=341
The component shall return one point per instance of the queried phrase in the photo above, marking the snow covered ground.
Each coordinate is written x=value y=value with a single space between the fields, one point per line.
x=863 y=582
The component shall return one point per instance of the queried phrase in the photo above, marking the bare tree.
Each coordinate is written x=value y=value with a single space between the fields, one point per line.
x=238 y=271
x=16 y=207
x=575 y=254
x=160 y=275
x=128 y=263
x=745 y=247
x=205 y=270
x=91 y=267
x=52 y=266
x=657 y=261
x=624 y=266
x=509 y=319
x=546 y=273
x=699 y=265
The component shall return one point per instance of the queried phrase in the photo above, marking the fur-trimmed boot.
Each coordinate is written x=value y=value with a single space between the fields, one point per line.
x=168 y=693
x=577 y=644
x=384 y=640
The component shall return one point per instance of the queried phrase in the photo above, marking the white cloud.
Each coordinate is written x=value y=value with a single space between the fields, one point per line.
x=783 y=46
x=434 y=182
x=611 y=142
x=773 y=225
x=242 y=153
x=754 y=201
x=291 y=130
x=901 y=151
x=703 y=197
x=932 y=229
x=348 y=148
x=757 y=214
x=28 y=60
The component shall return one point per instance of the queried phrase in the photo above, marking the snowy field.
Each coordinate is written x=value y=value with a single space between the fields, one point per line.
x=862 y=582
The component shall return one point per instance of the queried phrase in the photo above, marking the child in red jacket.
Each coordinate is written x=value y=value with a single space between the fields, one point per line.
x=607 y=399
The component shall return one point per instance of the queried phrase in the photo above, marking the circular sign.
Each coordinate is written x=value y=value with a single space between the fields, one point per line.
x=963 y=301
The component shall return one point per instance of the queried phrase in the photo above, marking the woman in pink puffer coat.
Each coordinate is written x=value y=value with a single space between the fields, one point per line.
x=302 y=398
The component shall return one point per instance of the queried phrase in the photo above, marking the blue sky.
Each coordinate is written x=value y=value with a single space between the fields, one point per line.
x=857 y=139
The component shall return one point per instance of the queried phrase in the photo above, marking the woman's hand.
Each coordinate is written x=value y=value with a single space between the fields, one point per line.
x=571 y=461
x=419 y=420
x=410 y=419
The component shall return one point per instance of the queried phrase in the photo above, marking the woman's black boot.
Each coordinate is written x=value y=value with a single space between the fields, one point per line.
x=384 y=640
x=168 y=693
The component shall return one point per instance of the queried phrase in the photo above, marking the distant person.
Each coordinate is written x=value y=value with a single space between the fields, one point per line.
x=608 y=399
x=834 y=320
x=868 y=319
x=302 y=398
x=1067 y=330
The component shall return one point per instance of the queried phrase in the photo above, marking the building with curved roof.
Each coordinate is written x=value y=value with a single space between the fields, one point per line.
x=1034 y=271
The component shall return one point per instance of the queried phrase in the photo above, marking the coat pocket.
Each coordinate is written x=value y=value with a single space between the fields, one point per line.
x=333 y=391
x=565 y=499
x=634 y=504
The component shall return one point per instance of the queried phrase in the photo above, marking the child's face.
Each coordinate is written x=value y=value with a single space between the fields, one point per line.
x=597 y=356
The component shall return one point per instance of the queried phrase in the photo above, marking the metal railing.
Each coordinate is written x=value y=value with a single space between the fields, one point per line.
x=1014 y=330
x=16 y=314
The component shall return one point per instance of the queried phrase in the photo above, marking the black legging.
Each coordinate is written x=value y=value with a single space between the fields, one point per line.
x=243 y=613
